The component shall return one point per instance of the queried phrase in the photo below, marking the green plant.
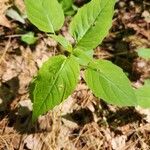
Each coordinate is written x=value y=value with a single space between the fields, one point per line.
x=58 y=76
x=144 y=53
x=67 y=6
x=29 y=38
x=143 y=95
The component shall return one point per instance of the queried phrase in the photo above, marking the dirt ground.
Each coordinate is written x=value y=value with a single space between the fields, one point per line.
x=82 y=122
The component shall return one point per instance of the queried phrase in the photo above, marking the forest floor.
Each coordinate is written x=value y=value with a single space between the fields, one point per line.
x=82 y=122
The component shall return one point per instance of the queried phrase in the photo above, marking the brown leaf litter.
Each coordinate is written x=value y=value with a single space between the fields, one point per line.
x=82 y=122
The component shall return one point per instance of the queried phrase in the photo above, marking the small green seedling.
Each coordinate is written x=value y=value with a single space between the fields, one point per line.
x=29 y=38
x=58 y=76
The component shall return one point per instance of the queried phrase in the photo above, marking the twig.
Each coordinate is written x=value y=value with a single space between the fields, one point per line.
x=5 y=51
x=14 y=36
x=5 y=142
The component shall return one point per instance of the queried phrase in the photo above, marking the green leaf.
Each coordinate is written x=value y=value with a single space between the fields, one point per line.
x=29 y=38
x=64 y=42
x=143 y=95
x=92 y=23
x=31 y=89
x=83 y=57
x=66 y=5
x=55 y=81
x=147 y=82
x=144 y=53
x=47 y=15
x=108 y=82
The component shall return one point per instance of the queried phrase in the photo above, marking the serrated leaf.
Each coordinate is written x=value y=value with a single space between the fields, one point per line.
x=31 y=89
x=55 y=81
x=143 y=95
x=92 y=23
x=83 y=57
x=144 y=53
x=108 y=82
x=64 y=42
x=47 y=15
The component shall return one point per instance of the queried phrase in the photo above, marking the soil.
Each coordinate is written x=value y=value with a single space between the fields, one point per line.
x=82 y=122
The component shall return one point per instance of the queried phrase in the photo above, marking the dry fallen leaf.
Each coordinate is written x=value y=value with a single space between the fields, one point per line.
x=146 y=16
x=119 y=142
x=146 y=112
x=4 y=5
x=4 y=21
x=20 y=5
